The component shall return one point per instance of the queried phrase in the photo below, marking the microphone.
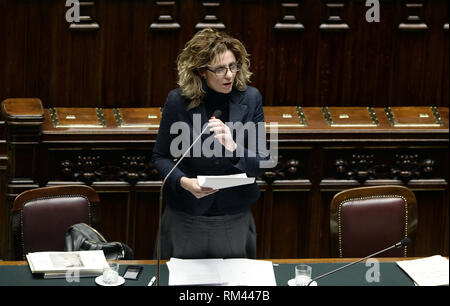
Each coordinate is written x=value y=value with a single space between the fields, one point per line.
x=405 y=241
x=217 y=113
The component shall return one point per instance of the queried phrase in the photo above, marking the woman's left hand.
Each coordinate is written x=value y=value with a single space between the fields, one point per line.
x=222 y=133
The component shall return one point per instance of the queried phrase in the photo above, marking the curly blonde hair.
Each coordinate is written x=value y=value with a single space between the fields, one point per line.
x=200 y=51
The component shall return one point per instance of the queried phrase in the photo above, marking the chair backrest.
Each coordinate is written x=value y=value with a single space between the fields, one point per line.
x=41 y=216
x=365 y=220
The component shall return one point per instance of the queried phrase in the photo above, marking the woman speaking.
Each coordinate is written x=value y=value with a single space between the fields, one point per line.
x=198 y=222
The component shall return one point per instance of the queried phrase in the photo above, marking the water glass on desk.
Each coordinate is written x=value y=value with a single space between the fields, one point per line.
x=111 y=274
x=302 y=275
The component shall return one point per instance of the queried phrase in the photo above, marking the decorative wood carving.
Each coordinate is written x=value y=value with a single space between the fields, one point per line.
x=341 y=117
x=338 y=70
x=407 y=167
x=425 y=117
x=86 y=23
x=404 y=167
x=289 y=22
x=90 y=168
x=63 y=117
x=166 y=21
x=334 y=22
x=414 y=9
x=359 y=167
x=210 y=20
x=287 y=169
x=113 y=158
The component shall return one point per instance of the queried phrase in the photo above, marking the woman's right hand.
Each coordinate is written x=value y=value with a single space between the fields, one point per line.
x=191 y=185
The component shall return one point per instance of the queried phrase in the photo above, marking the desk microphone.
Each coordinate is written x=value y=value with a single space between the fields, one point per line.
x=217 y=113
x=402 y=243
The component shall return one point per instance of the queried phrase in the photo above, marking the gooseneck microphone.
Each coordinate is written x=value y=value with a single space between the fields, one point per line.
x=402 y=243
x=217 y=113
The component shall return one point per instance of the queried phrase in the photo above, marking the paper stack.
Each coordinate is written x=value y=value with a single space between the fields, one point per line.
x=224 y=181
x=67 y=264
x=429 y=271
x=217 y=272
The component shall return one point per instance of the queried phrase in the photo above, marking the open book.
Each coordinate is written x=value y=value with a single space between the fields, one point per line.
x=429 y=271
x=67 y=264
x=224 y=181
x=229 y=272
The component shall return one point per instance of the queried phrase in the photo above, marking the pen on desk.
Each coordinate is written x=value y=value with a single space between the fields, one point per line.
x=152 y=281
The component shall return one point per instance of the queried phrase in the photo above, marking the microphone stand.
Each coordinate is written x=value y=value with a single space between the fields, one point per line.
x=158 y=246
x=404 y=242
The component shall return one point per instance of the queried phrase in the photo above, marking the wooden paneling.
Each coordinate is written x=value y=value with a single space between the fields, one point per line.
x=4 y=213
x=324 y=52
x=293 y=208
x=115 y=213
x=145 y=227
x=307 y=53
x=431 y=215
x=335 y=148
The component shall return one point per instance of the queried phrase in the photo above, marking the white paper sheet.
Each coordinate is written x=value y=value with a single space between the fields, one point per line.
x=247 y=272
x=224 y=181
x=64 y=261
x=232 y=272
x=194 y=272
x=67 y=264
x=430 y=271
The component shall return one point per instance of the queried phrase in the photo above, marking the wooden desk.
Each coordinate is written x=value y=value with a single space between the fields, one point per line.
x=321 y=152
x=17 y=273
x=285 y=260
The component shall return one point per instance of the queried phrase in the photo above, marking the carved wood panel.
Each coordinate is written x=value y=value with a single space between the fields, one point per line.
x=119 y=56
x=167 y=12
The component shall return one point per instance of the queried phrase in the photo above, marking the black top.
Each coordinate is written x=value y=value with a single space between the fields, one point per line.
x=243 y=106
x=215 y=100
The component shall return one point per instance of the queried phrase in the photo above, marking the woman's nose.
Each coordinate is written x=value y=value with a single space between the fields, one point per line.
x=229 y=74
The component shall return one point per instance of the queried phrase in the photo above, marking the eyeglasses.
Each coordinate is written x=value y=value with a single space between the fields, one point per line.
x=221 y=71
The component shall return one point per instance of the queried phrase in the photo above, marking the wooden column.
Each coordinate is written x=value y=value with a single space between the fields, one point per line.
x=23 y=119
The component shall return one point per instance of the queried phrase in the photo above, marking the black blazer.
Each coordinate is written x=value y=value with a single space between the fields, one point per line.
x=244 y=106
